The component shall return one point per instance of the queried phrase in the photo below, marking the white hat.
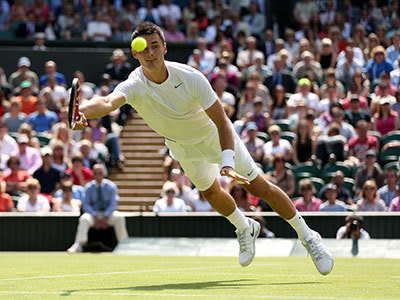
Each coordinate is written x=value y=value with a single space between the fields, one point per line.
x=22 y=138
x=46 y=151
x=24 y=62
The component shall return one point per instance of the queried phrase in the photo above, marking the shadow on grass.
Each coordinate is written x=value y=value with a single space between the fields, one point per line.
x=218 y=284
x=297 y=283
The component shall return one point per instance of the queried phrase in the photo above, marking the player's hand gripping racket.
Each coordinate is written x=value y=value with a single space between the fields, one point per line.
x=73 y=107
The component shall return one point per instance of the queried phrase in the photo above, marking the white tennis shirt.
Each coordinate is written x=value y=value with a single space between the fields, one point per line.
x=175 y=108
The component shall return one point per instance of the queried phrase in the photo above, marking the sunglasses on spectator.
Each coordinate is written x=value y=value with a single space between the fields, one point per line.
x=170 y=192
x=307 y=188
x=32 y=187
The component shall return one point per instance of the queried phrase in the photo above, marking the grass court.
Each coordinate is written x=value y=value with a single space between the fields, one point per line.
x=108 y=276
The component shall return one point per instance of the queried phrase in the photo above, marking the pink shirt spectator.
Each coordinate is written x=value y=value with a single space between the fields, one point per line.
x=395 y=205
x=378 y=205
x=363 y=103
x=360 y=148
x=30 y=160
x=312 y=206
x=177 y=36
x=385 y=127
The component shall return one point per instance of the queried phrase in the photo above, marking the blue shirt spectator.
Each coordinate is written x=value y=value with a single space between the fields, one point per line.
x=378 y=64
x=78 y=192
x=51 y=70
x=42 y=119
x=394 y=50
x=107 y=191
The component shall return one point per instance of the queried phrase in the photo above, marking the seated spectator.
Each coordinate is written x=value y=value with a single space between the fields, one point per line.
x=331 y=144
x=370 y=170
x=278 y=109
x=29 y=156
x=67 y=203
x=48 y=176
x=354 y=229
x=389 y=191
x=78 y=191
x=171 y=32
x=220 y=85
x=6 y=203
x=261 y=90
x=99 y=30
x=239 y=194
x=23 y=74
x=14 y=118
x=326 y=103
x=185 y=191
x=304 y=94
x=377 y=64
x=247 y=58
x=32 y=201
x=200 y=203
x=58 y=160
x=355 y=113
x=362 y=143
x=280 y=76
x=58 y=93
x=51 y=70
x=332 y=203
x=169 y=9
x=149 y=13
x=76 y=30
x=308 y=202
x=119 y=69
x=254 y=144
x=99 y=206
x=26 y=98
x=342 y=193
x=346 y=129
x=386 y=119
x=80 y=174
x=246 y=103
x=14 y=177
x=169 y=202
x=370 y=200
x=346 y=68
x=304 y=145
x=42 y=119
x=89 y=154
x=255 y=19
x=207 y=57
x=306 y=64
x=281 y=176
x=331 y=81
x=63 y=134
x=277 y=145
x=8 y=144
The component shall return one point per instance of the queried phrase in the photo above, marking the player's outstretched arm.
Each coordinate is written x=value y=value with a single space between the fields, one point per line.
x=98 y=107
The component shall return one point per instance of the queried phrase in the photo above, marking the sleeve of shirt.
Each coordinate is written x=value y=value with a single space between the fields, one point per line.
x=125 y=88
x=203 y=90
x=113 y=200
x=87 y=203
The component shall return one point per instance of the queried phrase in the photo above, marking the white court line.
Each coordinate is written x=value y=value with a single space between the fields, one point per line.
x=225 y=296
x=124 y=272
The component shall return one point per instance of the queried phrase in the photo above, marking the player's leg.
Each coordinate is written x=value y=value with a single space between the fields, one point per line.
x=85 y=222
x=282 y=204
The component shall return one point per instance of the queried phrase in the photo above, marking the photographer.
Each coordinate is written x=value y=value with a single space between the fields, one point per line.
x=353 y=229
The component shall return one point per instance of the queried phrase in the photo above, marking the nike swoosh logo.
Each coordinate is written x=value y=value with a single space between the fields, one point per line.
x=252 y=231
x=178 y=85
x=251 y=172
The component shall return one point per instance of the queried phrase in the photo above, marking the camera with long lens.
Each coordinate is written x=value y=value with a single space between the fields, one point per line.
x=355 y=225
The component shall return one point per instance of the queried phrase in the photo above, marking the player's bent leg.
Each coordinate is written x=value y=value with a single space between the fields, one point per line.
x=282 y=204
x=247 y=229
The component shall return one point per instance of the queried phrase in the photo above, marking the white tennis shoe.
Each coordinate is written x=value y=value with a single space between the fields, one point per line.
x=321 y=257
x=247 y=238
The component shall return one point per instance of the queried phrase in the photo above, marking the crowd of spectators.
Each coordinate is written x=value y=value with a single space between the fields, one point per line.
x=315 y=99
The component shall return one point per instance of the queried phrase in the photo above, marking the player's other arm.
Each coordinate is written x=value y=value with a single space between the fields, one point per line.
x=98 y=107
x=217 y=114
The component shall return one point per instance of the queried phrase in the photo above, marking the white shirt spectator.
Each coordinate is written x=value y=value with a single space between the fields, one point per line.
x=344 y=71
x=358 y=54
x=41 y=204
x=312 y=100
x=283 y=145
x=161 y=205
x=171 y=11
x=363 y=236
x=228 y=98
x=101 y=27
x=8 y=145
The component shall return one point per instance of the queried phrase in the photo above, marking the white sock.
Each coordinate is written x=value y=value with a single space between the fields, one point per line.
x=298 y=224
x=238 y=219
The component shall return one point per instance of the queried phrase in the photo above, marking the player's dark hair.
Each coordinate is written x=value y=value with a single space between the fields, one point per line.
x=148 y=28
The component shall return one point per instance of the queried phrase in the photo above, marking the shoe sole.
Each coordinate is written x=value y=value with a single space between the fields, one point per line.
x=257 y=233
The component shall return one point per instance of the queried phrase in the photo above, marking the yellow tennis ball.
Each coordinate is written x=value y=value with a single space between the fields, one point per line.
x=139 y=44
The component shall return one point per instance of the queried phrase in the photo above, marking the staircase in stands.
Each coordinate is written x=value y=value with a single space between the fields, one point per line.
x=140 y=181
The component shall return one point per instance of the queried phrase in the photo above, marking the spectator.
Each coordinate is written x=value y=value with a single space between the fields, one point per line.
x=254 y=144
x=247 y=58
x=42 y=120
x=327 y=57
x=255 y=20
x=14 y=118
x=59 y=94
x=386 y=119
x=207 y=57
x=6 y=203
x=346 y=129
x=119 y=69
x=171 y=32
x=308 y=202
x=370 y=170
x=394 y=50
x=332 y=203
x=14 y=177
x=220 y=85
x=8 y=144
x=239 y=194
x=51 y=70
x=169 y=10
x=27 y=100
x=40 y=39
x=80 y=174
x=78 y=192
x=29 y=156
x=99 y=30
x=347 y=67
x=67 y=203
x=356 y=114
x=389 y=191
x=63 y=135
x=23 y=74
x=76 y=30
x=277 y=145
x=311 y=99
x=331 y=81
x=304 y=145
x=259 y=115
x=246 y=103
x=370 y=200
x=303 y=11
x=281 y=176
x=200 y=203
x=278 y=109
x=169 y=202
x=32 y=201
x=377 y=64
x=48 y=176
x=362 y=143
x=306 y=64
x=395 y=205
x=26 y=129
x=58 y=160
x=354 y=229
x=149 y=14
x=52 y=28
x=99 y=209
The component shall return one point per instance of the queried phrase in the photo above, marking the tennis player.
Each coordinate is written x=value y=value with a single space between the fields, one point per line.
x=178 y=102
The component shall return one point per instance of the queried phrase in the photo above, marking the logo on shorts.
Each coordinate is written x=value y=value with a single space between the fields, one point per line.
x=178 y=85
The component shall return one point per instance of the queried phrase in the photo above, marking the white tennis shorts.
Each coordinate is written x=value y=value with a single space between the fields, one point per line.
x=202 y=162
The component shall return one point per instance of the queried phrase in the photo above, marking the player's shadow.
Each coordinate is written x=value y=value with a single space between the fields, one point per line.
x=218 y=284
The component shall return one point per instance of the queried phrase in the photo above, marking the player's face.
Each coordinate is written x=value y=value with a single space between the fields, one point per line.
x=153 y=55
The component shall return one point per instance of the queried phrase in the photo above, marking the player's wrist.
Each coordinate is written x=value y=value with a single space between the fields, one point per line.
x=228 y=158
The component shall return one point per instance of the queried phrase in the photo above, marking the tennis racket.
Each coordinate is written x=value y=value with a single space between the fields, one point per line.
x=73 y=106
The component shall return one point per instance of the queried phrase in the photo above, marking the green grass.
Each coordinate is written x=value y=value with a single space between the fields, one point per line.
x=106 y=276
